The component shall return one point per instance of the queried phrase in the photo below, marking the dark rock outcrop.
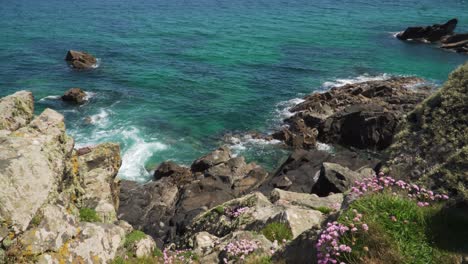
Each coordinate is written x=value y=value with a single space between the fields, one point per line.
x=80 y=60
x=443 y=34
x=362 y=115
x=301 y=170
x=430 y=33
x=334 y=178
x=165 y=206
x=74 y=95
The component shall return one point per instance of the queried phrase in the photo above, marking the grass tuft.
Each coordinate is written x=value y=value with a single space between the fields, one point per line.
x=277 y=231
x=89 y=215
x=133 y=237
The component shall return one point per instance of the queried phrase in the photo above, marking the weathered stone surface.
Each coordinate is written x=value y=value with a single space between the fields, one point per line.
x=334 y=178
x=221 y=155
x=74 y=95
x=80 y=60
x=144 y=247
x=361 y=126
x=149 y=207
x=362 y=115
x=16 y=110
x=301 y=170
x=204 y=242
x=39 y=149
x=430 y=33
x=298 y=219
x=173 y=170
x=305 y=200
x=98 y=169
x=301 y=250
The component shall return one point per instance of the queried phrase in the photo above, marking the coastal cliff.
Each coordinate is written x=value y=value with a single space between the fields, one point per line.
x=397 y=175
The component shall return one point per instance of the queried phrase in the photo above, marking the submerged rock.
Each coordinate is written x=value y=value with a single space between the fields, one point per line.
x=74 y=95
x=80 y=60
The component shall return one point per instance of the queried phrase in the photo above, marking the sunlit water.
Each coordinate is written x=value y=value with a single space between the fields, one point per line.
x=176 y=76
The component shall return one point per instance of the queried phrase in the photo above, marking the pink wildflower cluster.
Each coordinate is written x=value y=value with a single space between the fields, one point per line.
x=236 y=211
x=240 y=249
x=375 y=184
x=329 y=248
x=177 y=256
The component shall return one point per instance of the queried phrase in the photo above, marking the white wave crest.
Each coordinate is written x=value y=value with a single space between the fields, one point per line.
x=238 y=144
x=136 y=156
x=358 y=79
x=97 y=64
x=101 y=118
x=283 y=108
x=49 y=97
x=89 y=95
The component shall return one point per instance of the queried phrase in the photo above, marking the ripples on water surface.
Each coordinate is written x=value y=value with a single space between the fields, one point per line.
x=175 y=76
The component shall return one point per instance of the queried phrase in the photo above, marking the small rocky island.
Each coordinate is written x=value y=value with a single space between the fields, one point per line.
x=438 y=33
x=397 y=178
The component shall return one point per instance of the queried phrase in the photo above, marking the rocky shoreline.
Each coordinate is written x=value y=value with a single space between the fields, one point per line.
x=59 y=204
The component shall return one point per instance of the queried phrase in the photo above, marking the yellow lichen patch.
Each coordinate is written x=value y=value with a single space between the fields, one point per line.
x=75 y=165
x=63 y=251
x=96 y=259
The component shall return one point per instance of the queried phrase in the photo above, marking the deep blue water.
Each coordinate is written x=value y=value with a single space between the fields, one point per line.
x=175 y=76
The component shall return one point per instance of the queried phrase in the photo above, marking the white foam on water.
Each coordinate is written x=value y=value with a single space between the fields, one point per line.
x=101 y=118
x=136 y=156
x=97 y=64
x=239 y=144
x=89 y=95
x=50 y=97
x=358 y=79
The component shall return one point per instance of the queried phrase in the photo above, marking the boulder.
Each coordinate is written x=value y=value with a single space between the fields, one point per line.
x=41 y=149
x=143 y=247
x=171 y=169
x=149 y=207
x=80 y=60
x=361 y=126
x=221 y=155
x=334 y=178
x=430 y=33
x=305 y=200
x=74 y=95
x=300 y=172
x=98 y=170
x=455 y=38
x=301 y=250
x=16 y=110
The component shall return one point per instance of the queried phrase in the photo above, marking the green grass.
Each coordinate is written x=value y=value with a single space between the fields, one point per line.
x=89 y=215
x=277 y=231
x=219 y=209
x=409 y=239
x=133 y=237
x=324 y=209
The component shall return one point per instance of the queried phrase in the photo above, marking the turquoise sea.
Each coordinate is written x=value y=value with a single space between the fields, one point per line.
x=175 y=76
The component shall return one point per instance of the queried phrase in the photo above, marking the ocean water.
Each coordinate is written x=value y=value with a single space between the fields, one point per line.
x=175 y=76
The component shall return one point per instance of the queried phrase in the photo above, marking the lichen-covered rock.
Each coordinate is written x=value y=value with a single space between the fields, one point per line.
x=173 y=170
x=144 y=247
x=431 y=145
x=32 y=156
x=305 y=200
x=98 y=170
x=94 y=243
x=16 y=110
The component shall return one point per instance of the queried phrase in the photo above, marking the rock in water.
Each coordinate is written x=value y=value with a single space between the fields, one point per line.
x=75 y=95
x=430 y=33
x=80 y=60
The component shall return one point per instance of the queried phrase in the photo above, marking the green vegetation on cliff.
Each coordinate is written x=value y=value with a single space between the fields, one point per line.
x=432 y=144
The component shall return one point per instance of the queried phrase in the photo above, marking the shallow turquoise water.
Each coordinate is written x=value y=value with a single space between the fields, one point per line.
x=175 y=76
